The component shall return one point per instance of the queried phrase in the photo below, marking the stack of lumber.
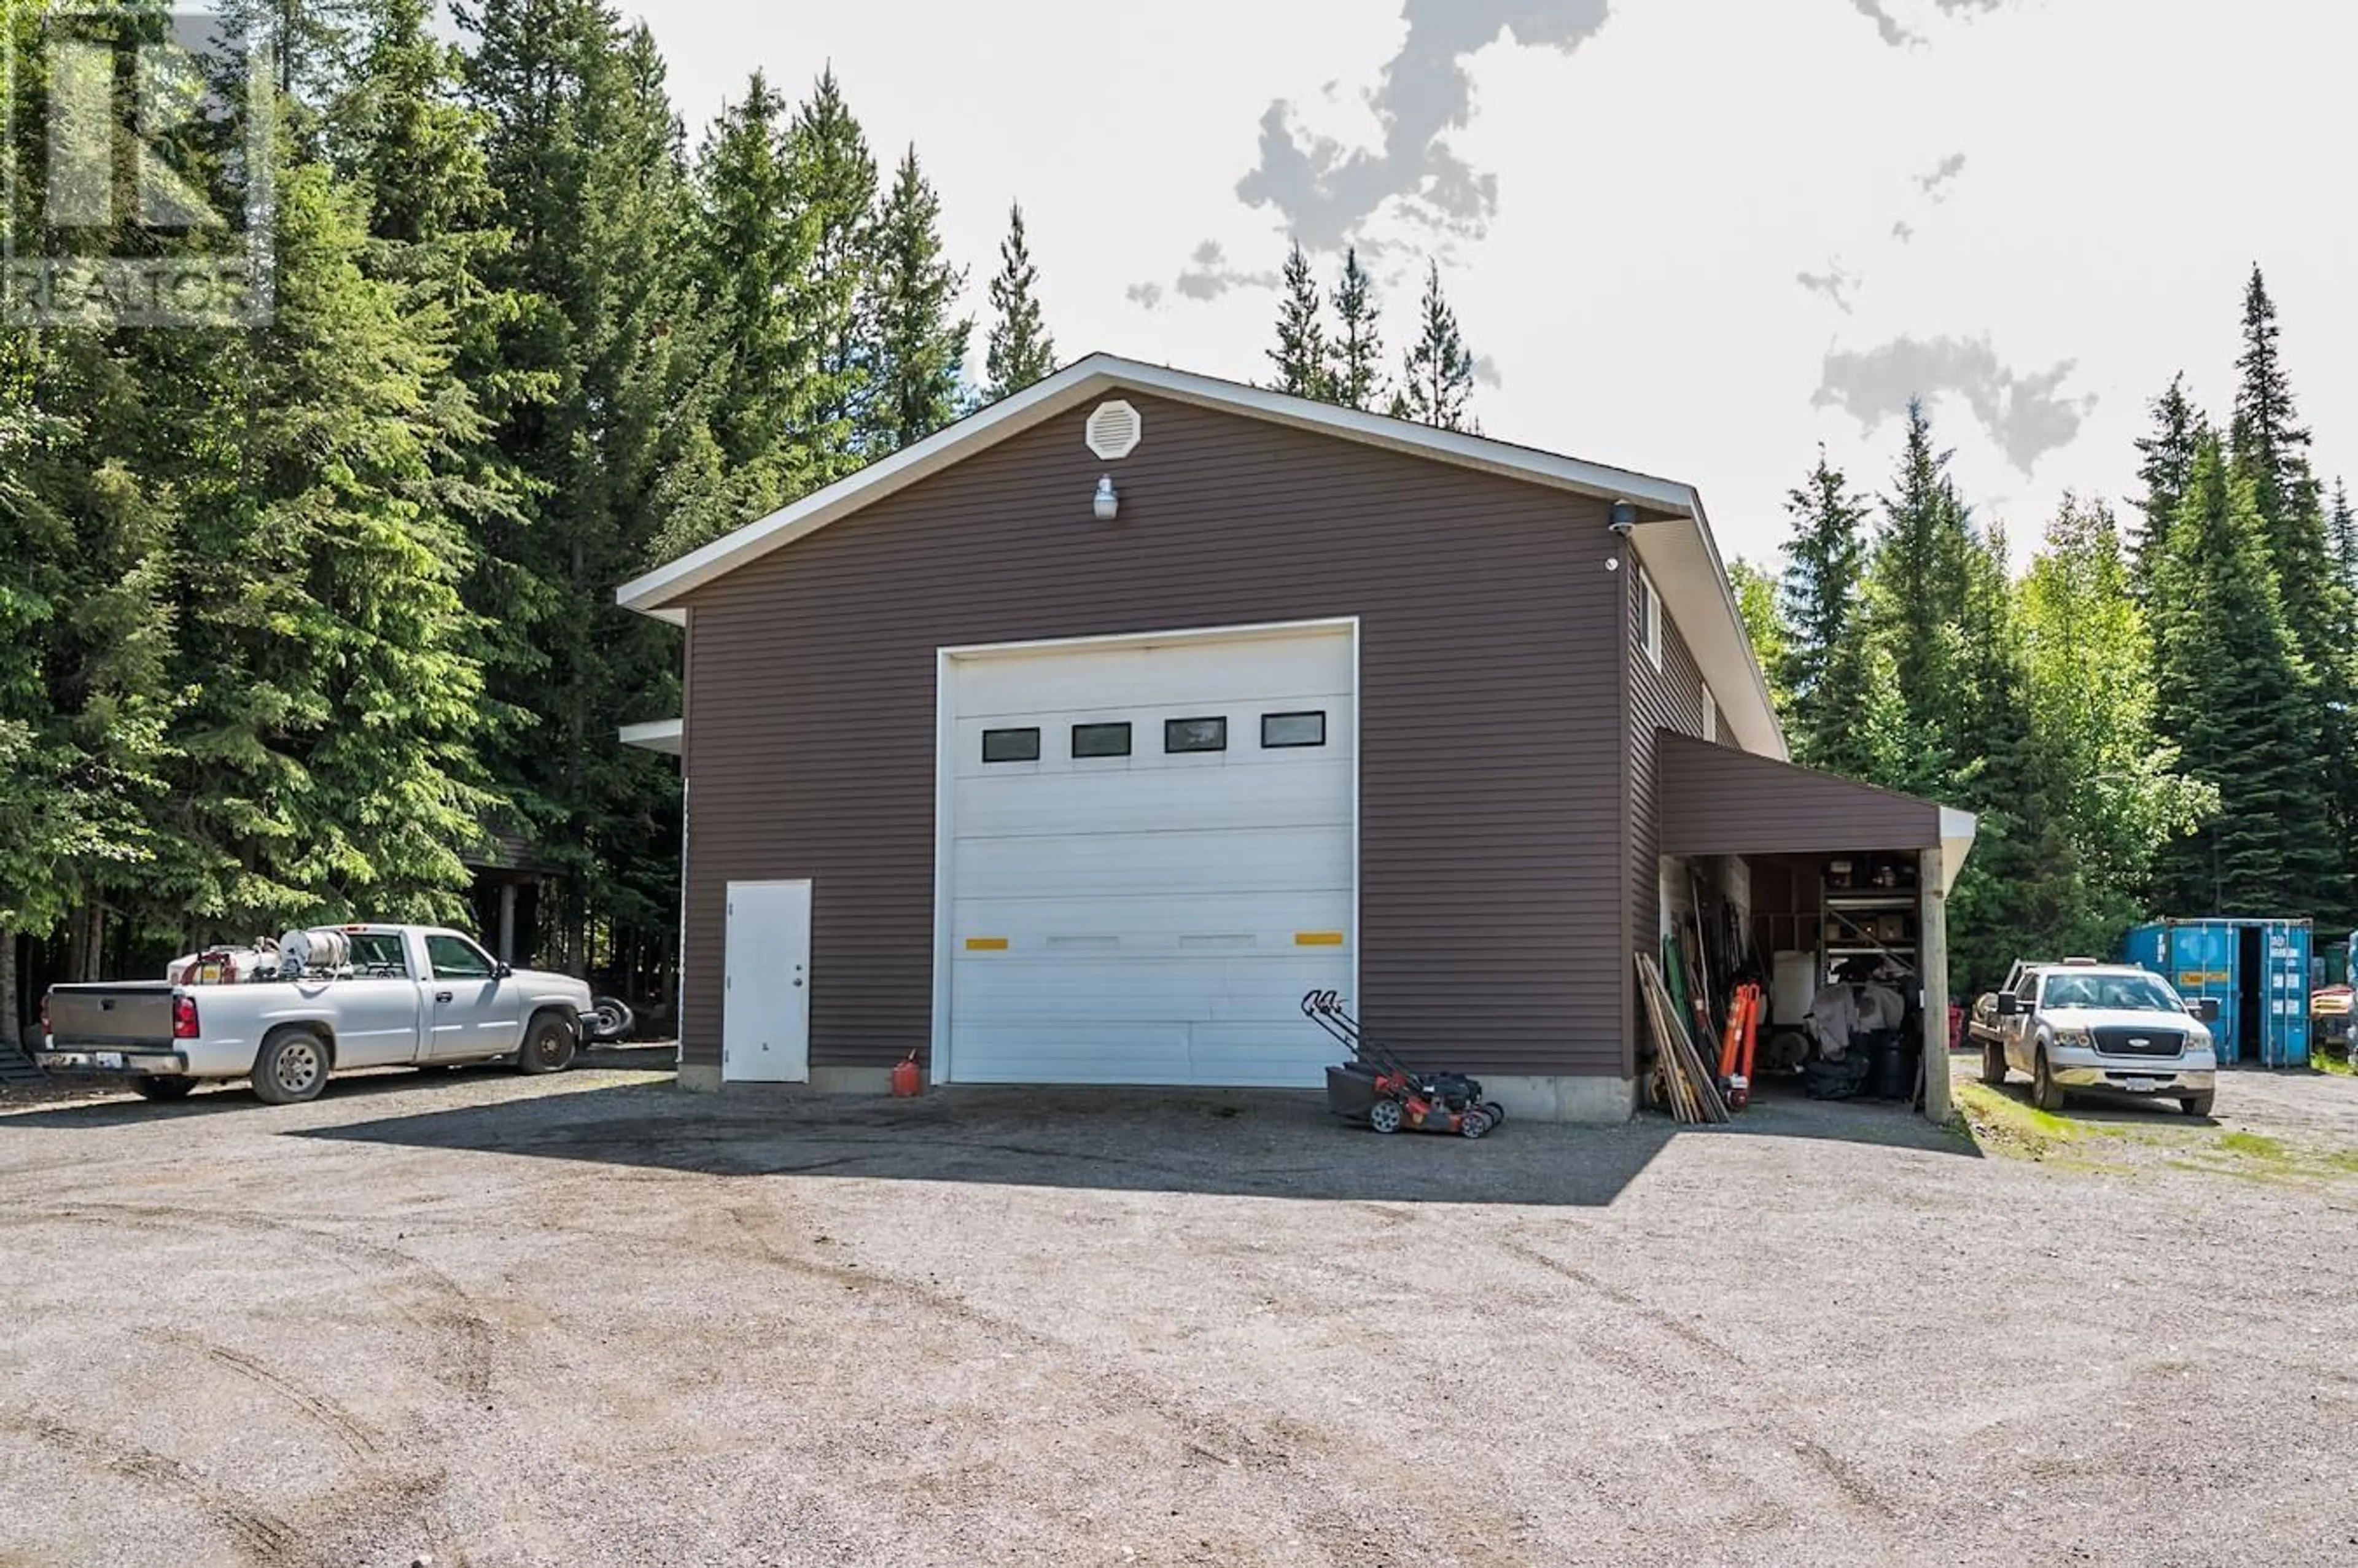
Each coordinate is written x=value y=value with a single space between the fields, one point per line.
x=1692 y=1094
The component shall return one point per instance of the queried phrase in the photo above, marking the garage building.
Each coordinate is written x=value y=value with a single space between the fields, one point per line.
x=1076 y=743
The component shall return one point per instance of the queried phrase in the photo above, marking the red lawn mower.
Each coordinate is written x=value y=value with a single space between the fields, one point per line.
x=1379 y=1088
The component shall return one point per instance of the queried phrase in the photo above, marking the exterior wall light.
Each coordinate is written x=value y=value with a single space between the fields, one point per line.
x=1108 y=503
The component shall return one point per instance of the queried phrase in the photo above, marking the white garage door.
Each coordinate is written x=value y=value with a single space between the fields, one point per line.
x=1151 y=857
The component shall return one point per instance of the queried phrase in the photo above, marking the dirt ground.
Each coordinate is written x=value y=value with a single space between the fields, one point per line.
x=479 y=1319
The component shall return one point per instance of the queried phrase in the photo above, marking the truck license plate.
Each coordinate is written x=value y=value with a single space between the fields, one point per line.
x=2140 y=1086
x=109 y=1060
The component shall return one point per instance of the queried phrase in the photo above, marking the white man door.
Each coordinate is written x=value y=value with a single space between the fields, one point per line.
x=766 y=1000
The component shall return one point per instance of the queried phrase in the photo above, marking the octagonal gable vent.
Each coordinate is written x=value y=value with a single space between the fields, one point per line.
x=1113 y=429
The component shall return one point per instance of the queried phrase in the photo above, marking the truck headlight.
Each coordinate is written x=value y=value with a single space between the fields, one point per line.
x=2071 y=1035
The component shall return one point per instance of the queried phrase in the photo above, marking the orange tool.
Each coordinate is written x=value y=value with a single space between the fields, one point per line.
x=1732 y=1039
x=1743 y=1038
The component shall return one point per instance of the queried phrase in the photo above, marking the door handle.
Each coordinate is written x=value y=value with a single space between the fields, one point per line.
x=441 y=996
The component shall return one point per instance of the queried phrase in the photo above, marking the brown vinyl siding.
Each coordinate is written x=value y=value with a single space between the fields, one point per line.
x=1715 y=801
x=1491 y=871
x=1669 y=698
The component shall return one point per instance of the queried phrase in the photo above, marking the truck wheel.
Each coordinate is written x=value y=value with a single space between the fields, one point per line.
x=161 y=1089
x=1992 y=1063
x=292 y=1068
x=549 y=1045
x=2197 y=1105
x=2045 y=1092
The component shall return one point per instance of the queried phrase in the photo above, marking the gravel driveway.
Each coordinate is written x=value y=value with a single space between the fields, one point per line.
x=589 y=1320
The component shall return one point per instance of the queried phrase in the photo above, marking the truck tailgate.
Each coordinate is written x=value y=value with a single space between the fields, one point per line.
x=133 y=1016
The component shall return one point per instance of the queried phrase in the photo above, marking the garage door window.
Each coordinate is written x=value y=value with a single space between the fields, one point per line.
x=1280 y=729
x=1011 y=745
x=1101 y=740
x=1195 y=734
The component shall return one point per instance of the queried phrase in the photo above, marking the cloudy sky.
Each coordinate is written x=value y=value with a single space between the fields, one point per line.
x=1693 y=237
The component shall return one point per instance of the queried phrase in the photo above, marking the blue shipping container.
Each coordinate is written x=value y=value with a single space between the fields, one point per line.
x=2257 y=971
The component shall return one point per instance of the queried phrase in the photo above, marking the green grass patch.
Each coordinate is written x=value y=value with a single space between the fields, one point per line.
x=2254 y=1157
x=2255 y=1145
x=2340 y=1066
x=2266 y=1175
x=1998 y=1122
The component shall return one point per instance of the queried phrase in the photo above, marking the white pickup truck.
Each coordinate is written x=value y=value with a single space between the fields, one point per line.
x=384 y=996
x=2113 y=1029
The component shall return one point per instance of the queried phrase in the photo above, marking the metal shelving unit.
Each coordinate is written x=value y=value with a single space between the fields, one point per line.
x=1847 y=923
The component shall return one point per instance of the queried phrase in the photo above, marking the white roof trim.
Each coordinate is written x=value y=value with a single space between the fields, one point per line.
x=1694 y=605
x=656 y=735
x=1681 y=559
x=1957 y=832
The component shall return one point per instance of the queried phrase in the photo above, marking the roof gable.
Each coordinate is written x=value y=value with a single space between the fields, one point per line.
x=1689 y=573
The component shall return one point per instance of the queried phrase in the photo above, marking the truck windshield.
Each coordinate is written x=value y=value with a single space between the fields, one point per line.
x=2128 y=993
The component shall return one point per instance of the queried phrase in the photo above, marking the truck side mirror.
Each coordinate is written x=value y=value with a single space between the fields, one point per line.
x=2008 y=1004
x=2207 y=1009
x=502 y=970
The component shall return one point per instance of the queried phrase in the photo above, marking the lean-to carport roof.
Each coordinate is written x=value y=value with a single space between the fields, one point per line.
x=1715 y=800
x=1673 y=536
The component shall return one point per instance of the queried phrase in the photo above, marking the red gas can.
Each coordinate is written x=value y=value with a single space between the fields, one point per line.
x=905 y=1079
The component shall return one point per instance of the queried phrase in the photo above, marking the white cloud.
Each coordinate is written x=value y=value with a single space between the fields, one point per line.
x=1655 y=202
x=2025 y=413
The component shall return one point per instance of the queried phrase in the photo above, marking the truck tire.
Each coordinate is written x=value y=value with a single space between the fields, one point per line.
x=1992 y=1063
x=2045 y=1092
x=549 y=1044
x=163 y=1089
x=291 y=1067
x=2197 y=1105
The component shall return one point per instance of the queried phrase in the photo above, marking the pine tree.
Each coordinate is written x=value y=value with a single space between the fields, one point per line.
x=330 y=758
x=1917 y=590
x=2088 y=683
x=318 y=48
x=1356 y=380
x=2269 y=442
x=1437 y=370
x=2231 y=692
x=602 y=415
x=86 y=641
x=415 y=152
x=832 y=179
x=1827 y=668
x=747 y=248
x=2024 y=875
x=416 y=149
x=1301 y=354
x=2269 y=448
x=920 y=352
x=1021 y=350
x=2343 y=535
x=2166 y=465
x=1764 y=629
